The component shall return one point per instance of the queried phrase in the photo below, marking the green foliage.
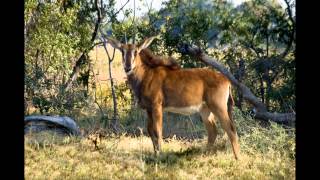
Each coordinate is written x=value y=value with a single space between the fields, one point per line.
x=55 y=37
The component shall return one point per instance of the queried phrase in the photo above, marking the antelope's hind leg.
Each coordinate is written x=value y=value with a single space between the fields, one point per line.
x=209 y=122
x=229 y=127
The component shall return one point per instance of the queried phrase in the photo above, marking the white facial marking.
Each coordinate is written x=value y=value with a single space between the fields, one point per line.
x=124 y=56
x=132 y=60
x=130 y=72
x=185 y=110
x=124 y=53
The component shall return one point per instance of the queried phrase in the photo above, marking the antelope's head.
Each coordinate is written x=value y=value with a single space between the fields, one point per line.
x=130 y=52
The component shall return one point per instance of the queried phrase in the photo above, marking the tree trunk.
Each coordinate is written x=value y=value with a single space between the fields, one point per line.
x=134 y=102
x=262 y=89
x=76 y=69
x=239 y=100
x=261 y=110
x=83 y=58
x=269 y=89
x=240 y=73
x=115 y=119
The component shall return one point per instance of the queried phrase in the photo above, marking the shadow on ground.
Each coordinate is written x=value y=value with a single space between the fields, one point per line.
x=170 y=158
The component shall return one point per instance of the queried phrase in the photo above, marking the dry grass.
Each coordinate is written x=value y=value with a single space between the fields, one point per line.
x=267 y=153
x=100 y=65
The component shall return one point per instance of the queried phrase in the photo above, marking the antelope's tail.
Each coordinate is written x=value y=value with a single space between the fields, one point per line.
x=230 y=104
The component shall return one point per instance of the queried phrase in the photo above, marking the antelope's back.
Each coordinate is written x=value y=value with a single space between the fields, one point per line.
x=187 y=87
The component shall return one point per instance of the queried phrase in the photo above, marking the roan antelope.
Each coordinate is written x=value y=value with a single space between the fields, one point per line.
x=160 y=85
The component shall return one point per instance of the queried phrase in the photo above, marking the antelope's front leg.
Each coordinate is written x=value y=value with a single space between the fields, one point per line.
x=157 y=128
x=150 y=128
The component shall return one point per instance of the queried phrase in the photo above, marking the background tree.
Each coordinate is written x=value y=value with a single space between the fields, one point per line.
x=55 y=35
x=255 y=40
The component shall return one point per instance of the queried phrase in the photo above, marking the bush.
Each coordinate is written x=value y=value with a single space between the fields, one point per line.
x=256 y=138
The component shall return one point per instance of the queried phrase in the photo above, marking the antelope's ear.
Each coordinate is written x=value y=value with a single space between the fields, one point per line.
x=146 y=43
x=114 y=43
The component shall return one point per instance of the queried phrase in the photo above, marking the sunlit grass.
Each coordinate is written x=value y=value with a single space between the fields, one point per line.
x=266 y=153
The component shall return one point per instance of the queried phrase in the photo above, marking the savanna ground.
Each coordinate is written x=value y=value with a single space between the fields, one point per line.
x=267 y=152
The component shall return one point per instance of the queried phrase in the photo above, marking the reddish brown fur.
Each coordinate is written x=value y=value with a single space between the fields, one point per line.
x=155 y=61
x=158 y=83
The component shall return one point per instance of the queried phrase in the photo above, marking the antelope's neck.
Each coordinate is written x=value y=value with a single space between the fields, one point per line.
x=135 y=79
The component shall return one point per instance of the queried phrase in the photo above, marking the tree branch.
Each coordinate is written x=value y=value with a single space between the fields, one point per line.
x=291 y=36
x=133 y=21
x=116 y=13
x=115 y=120
x=83 y=60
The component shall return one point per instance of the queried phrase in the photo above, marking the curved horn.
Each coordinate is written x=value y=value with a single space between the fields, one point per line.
x=114 y=43
x=146 y=43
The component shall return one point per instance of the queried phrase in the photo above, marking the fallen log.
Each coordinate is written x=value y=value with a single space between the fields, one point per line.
x=63 y=125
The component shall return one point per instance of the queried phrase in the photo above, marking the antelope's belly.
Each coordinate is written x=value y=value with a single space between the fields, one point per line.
x=187 y=110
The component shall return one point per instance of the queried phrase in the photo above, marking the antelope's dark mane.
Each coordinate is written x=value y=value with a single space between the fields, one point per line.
x=151 y=60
